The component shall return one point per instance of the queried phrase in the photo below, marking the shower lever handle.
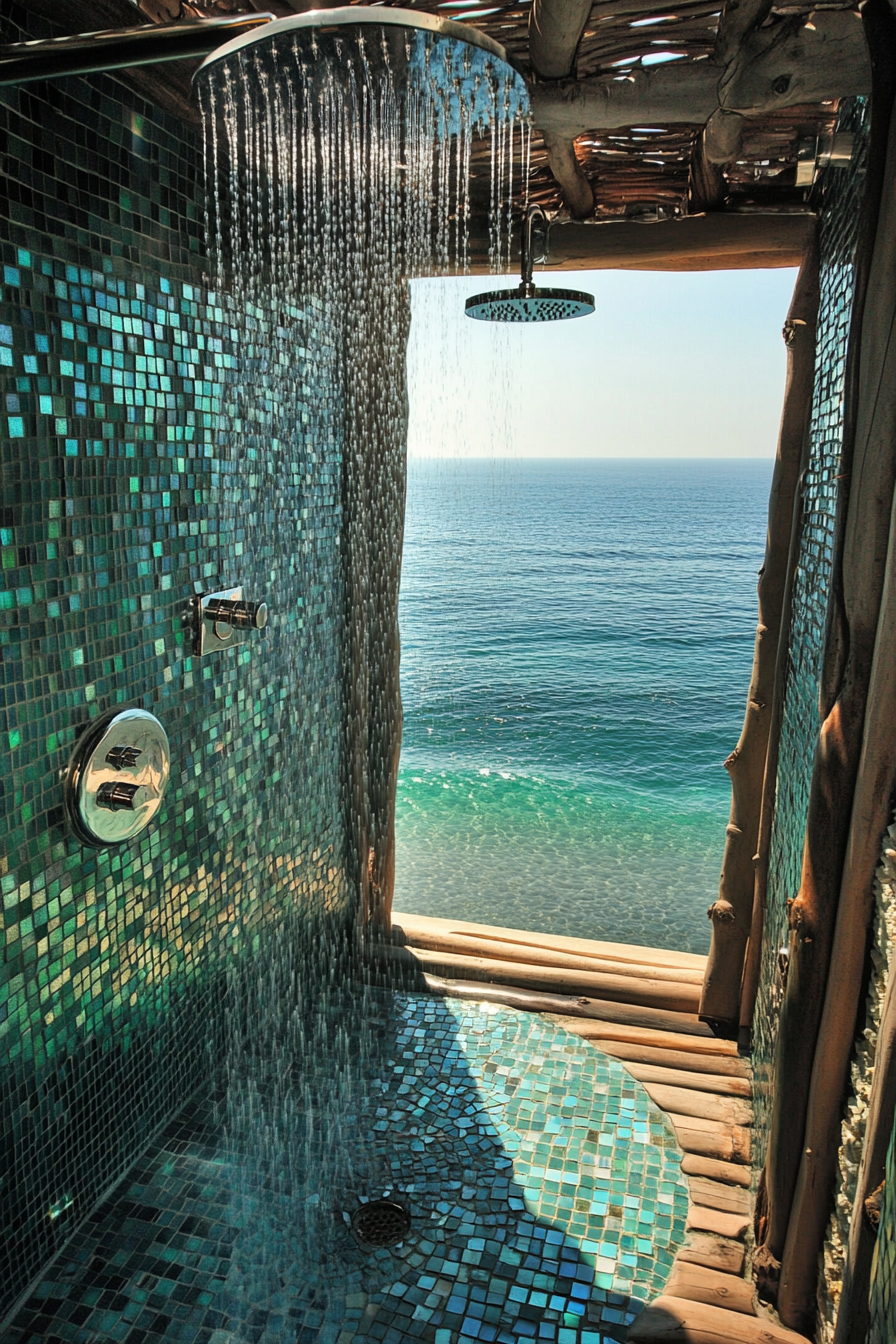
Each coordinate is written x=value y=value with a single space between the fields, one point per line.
x=123 y=758
x=117 y=797
x=241 y=615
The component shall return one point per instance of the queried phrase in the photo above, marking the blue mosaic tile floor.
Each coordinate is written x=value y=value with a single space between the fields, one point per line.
x=544 y=1190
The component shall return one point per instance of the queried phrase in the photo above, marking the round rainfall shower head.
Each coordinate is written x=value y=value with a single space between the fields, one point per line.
x=393 y=21
x=528 y=304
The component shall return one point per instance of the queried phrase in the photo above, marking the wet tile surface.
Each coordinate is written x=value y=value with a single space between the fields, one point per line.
x=543 y=1186
x=123 y=493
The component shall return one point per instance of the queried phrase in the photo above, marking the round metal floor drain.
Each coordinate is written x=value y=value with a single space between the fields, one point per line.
x=382 y=1222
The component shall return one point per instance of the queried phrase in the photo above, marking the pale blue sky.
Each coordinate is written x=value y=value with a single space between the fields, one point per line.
x=669 y=365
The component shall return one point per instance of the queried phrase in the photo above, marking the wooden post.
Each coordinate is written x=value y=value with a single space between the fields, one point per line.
x=868 y=471
x=753 y=958
x=872 y=809
x=867 y=567
x=732 y=912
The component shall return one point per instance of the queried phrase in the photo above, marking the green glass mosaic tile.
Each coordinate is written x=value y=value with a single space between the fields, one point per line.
x=120 y=499
x=199 y=1244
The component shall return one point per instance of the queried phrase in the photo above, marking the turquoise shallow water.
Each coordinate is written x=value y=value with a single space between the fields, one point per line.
x=576 y=647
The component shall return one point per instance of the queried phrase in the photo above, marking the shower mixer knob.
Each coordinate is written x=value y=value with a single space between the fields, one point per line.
x=123 y=758
x=117 y=777
x=241 y=615
x=117 y=797
x=223 y=619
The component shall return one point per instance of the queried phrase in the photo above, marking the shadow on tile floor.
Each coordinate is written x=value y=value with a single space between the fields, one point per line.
x=543 y=1186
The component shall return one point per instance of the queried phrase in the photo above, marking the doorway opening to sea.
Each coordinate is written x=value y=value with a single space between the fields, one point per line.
x=586 y=518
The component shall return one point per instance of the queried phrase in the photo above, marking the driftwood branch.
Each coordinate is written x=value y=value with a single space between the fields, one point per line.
x=797 y=62
x=569 y=175
x=660 y=96
x=707 y=187
x=555 y=30
x=373 y=490
x=776 y=68
x=733 y=912
x=739 y=17
x=723 y=137
x=795 y=429
x=869 y=595
x=869 y=465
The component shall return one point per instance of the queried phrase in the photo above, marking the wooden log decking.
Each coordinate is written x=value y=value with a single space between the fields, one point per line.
x=644 y=990
x=700 y=1081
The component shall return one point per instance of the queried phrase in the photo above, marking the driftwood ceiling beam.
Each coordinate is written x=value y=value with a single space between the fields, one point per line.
x=718 y=242
x=706 y=181
x=637 y=9
x=798 y=61
x=703 y=243
x=739 y=17
x=555 y=30
x=800 y=65
x=661 y=96
x=569 y=175
x=723 y=137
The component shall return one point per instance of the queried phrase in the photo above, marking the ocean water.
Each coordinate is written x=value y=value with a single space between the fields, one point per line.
x=576 y=646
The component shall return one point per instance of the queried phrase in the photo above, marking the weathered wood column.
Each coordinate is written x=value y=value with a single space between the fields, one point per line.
x=871 y=812
x=869 y=603
x=732 y=913
x=753 y=958
x=868 y=471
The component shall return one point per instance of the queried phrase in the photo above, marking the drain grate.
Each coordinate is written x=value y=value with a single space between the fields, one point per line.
x=382 y=1222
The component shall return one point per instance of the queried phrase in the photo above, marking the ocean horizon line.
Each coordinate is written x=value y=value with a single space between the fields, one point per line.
x=583 y=457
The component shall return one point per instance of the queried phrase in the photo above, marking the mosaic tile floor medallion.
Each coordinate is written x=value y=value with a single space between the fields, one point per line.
x=544 y=1190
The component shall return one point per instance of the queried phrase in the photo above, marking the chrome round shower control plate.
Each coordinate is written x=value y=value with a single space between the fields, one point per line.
x=528 y=304
x=382 y=1222
x=117 y=777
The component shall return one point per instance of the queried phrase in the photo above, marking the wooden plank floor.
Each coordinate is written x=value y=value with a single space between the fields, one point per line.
x=648 y=1022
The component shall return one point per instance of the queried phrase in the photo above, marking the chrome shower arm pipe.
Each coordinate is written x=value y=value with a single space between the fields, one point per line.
x=527 y=252
x=121 y=48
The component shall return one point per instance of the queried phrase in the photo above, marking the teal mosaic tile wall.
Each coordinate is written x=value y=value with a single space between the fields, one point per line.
x=122 y=497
